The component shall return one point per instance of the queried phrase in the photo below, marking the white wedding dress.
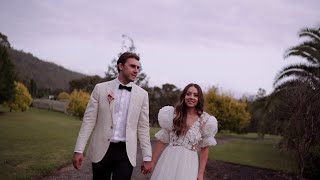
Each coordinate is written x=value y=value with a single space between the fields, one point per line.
x=179 y=160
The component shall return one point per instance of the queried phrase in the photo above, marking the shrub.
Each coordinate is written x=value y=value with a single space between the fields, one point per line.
x=78 y=103
x=230 y=113
x=63 y=96
x=22 y=98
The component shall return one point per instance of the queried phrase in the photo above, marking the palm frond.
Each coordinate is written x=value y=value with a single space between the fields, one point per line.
x=310 y=33
x=299 y=70
x=308 y=50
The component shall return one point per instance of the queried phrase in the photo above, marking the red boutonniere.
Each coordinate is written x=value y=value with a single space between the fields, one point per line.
x=110 y=97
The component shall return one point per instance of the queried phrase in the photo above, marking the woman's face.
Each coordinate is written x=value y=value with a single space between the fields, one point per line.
x=191 y=98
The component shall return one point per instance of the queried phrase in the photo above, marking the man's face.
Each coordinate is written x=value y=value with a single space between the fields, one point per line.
x=129 y=70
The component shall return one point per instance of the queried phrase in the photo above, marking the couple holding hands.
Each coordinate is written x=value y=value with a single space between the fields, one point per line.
x=117 y=116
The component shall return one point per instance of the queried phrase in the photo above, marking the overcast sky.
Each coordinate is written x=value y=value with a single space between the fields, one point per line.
x=237 y=45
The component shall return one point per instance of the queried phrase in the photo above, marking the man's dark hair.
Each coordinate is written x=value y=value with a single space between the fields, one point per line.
x=125 y=56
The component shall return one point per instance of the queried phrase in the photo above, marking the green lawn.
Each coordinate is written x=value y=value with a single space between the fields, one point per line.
x=262 y=154
x=153 y=131
x=35 y=142
x=249 y=136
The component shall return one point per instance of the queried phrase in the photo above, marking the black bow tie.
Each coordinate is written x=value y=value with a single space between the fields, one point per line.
x=125 y=87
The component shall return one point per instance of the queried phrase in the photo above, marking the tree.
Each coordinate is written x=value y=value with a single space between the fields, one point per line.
x=299 y=108
x=295 y=103
x=7 y=75
x=33 y=89
x=308 y=71
x=78 y=103
x=22 y=99
x=85 y=84
x=230 y=113
x=112 y=73
x=63 y=96
x=168 y=95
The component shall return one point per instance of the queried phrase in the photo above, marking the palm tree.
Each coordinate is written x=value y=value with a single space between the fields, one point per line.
x=307 y=71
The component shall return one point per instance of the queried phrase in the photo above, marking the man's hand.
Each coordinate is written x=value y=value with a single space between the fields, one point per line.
x=146 y=167
x=77 y=160
x=200 y=176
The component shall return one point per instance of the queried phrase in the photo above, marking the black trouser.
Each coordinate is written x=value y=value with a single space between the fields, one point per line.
x=115 y=163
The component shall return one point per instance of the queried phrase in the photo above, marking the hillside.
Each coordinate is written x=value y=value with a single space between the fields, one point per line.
x=45 y=74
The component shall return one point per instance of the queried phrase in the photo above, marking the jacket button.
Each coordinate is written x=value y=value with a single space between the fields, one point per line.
x=108 y=139
x=111 y=127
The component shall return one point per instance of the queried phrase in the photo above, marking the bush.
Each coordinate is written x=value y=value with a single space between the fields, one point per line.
x=22 y=98
x=312 y=170
x=230 y=113
x=63 y=96
x=78 y=103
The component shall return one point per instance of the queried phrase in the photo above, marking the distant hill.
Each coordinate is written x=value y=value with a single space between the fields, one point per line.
x=45 y=74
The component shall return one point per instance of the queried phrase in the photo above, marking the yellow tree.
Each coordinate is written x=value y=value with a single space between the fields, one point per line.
x=22 y=99
x=78 y=103
x=63 y=96
x=230 y=113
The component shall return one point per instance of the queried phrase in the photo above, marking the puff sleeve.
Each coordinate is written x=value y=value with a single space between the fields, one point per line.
x=209 y=131
x=165 y=119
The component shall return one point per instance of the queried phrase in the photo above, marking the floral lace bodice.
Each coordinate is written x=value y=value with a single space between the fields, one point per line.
x=200 y=134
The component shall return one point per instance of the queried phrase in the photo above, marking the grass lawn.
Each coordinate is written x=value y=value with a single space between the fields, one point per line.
x=262 y=154
x=153 y=131
x=249 y=136
x=35 y=142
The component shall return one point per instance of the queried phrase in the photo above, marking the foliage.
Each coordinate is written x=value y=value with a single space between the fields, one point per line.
x=168 y=95
x=308 y=71
x=7 y=75
x=78 y=103
x=86 y=83
x=4 y=42
x=262 y=120
x=299 y=110
x=230 y=113
x=63 y=96
x=112 y=73
x=22 y=99
x=33 y=88
x=296 y=102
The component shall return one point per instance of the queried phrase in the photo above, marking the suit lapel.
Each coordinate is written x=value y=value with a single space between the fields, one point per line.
x=111 y=92
x=133 y=100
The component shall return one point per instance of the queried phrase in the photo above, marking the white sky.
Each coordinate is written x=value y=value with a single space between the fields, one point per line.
x=236 y=45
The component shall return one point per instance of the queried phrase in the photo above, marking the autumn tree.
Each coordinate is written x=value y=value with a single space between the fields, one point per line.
x=22 y=98
x=63 y=96
x=230 y=113
x=78 y=103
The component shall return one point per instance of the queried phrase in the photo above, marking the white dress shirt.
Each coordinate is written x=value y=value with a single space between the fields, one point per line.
x=121 y=106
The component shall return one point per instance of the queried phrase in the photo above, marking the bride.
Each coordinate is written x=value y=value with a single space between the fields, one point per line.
x=187 y=130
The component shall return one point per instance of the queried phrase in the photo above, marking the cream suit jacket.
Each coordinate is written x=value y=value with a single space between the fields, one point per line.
x=98 y=120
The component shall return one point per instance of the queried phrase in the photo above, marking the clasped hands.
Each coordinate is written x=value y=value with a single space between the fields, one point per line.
x=146 y=167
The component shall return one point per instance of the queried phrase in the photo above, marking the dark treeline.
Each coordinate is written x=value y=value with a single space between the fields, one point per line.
x=292 y=110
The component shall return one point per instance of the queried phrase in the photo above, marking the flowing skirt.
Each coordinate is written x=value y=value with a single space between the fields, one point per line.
x=176 y=163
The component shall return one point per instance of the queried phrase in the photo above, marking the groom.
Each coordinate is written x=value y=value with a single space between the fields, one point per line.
x=117 y=115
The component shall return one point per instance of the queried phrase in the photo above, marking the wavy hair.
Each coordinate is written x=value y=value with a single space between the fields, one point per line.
x=179 y=121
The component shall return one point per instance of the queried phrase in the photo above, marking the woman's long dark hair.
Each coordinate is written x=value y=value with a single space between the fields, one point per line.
x=179 y=121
